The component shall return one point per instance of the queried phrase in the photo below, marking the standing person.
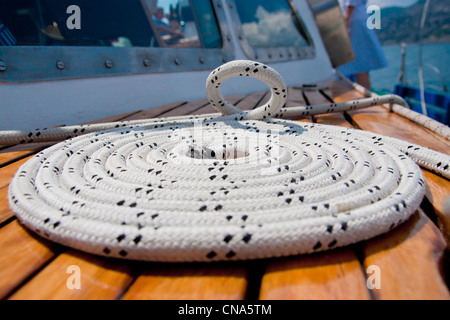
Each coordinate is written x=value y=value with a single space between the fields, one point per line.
x=367 y=49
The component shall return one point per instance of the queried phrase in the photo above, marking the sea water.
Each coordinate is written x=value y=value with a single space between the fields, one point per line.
x=436 y=67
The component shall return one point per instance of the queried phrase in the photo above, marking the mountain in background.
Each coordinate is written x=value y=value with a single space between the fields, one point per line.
x=402 y=24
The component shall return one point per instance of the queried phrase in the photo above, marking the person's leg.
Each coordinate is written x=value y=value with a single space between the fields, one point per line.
x=364 y=80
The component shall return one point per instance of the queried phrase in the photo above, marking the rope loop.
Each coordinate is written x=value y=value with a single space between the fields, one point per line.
x=247 y=68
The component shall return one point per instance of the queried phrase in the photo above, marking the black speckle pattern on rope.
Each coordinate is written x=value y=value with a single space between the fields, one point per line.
x=242 y=186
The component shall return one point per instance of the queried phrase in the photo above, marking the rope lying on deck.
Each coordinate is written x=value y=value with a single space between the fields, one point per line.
x=226 y=188
x=399 y=108
x=396 y=103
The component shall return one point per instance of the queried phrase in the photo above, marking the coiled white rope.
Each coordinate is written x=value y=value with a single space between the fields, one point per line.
x=228 y=188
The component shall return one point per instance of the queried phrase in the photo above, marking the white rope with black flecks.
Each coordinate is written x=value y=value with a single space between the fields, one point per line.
x=396 y=103
x=241 y=186
x=399 y=108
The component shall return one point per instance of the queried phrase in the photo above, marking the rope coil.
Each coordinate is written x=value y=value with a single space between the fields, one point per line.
x=228 y=188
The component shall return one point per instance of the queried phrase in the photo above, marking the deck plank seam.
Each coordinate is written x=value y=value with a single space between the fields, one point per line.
x=157 y=114
x=359 y=251
x=136 y=272
x=242 y=99
x=202 y=106
x=326 y=96
x=259 y=100
x=7 y=221
x=183 y=103
x=18 y=158
x=308 y=103
x=255 y=275
x=430 y=211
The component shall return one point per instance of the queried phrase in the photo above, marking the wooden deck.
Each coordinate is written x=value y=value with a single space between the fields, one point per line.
x=411 y=258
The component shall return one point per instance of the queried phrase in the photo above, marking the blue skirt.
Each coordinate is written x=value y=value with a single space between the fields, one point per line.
x=367 y=49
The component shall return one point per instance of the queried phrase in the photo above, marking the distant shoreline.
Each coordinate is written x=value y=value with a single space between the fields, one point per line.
x=403 y=24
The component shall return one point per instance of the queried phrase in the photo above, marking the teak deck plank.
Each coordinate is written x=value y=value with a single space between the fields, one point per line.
x=22 y=255
x=7 y=156
x=335 y=275
x=8 y=172
x=98 y=278
x=337 y=118
x=114 y=118
x=417 y=135
x=252 y=101
x=341 y=91
x=61 y=291
x=316 y=97
x=379 y=120
x=409 y=260
x=92 y=266
x=185 y=109
x=418 y=232
x=5 y=211
x=191 y=282
x=295 y=97
x=206 y=281
x=210 y=109
x=39 y=268
x=329 y=275
x=440 y=192
x=155 y=112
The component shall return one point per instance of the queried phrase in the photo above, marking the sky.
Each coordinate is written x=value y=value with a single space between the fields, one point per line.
x=392 y=3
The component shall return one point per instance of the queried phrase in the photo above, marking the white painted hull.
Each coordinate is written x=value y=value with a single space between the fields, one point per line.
x=65 y=102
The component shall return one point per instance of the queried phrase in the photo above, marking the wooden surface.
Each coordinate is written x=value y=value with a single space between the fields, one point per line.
x=217 y=281
x=328 y=275
x=410 y=258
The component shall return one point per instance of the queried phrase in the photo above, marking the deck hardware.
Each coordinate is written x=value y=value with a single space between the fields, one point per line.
x=177 y=61
x=146 y=62
x=60 y=65
x=2 y=66
x=108 y=64
x=201 y=60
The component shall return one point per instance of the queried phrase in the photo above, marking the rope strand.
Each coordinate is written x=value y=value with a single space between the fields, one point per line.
x=400 y=108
